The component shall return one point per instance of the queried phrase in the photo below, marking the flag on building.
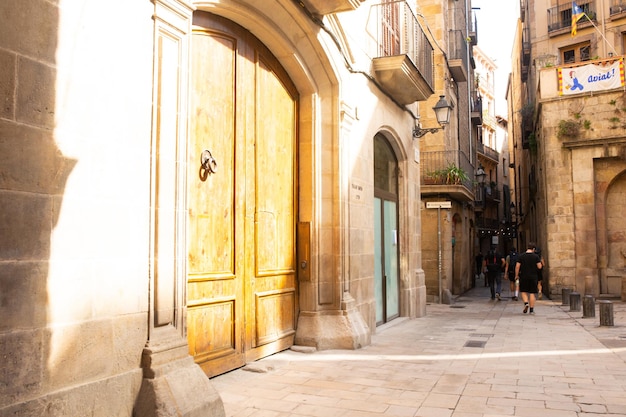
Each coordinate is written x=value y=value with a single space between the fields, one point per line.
x=577 y=14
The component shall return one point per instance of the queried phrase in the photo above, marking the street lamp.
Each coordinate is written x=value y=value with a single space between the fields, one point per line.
x=481 y=175
x=442 y=113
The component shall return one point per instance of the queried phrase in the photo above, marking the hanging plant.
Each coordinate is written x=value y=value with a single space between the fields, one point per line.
x=568 y=128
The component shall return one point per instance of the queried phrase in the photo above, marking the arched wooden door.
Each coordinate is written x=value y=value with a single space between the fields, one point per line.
x=241 y=289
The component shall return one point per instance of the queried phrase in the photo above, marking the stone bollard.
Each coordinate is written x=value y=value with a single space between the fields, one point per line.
x=589 y=306
x=565 y=292
x=606 y=313
x=574 y=301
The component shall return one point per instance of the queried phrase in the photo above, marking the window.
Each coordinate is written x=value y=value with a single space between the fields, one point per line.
x=576 y=53
x=390 y=21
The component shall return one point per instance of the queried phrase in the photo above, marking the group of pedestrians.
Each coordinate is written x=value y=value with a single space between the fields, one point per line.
x=524 y=272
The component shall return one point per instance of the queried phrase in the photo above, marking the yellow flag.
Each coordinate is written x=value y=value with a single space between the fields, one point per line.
x=577 y=14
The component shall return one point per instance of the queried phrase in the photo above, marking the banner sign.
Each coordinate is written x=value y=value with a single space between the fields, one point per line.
x=591 y=77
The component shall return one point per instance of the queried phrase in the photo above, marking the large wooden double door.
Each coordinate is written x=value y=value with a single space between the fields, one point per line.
x=241 y=285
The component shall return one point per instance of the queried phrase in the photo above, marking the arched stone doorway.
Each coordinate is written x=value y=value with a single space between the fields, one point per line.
x=616 y=237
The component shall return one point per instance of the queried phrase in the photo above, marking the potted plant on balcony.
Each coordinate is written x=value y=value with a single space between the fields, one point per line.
x=450 y=175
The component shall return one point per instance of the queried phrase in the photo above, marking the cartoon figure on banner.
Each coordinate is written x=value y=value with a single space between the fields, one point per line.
x=575 y=85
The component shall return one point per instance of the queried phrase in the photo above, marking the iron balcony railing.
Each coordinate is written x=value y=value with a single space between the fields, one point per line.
x=458 y=48
x=447 y=168
x=618 y=6
x=492 y=154
x=560 y=17
x=477 y=102
x=490 y=224
x=399 y=33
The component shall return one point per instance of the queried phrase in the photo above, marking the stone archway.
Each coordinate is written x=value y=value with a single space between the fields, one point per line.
x=615 y=232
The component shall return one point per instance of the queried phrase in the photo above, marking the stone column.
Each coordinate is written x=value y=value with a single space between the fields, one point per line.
x=173 y=385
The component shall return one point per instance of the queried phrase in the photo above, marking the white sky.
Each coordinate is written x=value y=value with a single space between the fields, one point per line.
x=497 y=20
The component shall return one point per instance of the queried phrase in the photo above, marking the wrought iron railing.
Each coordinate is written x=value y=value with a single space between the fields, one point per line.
x=618 y=6
x=399 y=33
x=447 y=168
x=458 y=48
x=491 y=224
x=477 y=102
x=560 y=17
x=481 y=148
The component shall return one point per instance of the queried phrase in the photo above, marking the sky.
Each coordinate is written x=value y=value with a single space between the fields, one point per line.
x=497 y=20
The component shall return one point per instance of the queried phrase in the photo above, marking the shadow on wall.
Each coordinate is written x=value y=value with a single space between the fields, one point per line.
x=33 y=175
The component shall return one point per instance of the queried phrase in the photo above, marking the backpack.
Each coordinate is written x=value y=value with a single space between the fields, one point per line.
x=493 y=263
x=512 y=261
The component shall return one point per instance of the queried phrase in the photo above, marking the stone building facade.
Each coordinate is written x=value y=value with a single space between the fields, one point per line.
x=568 y=143
x=448 y=157
x=188 y=186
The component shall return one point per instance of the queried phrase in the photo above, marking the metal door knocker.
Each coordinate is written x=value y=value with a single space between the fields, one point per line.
x=209 y=164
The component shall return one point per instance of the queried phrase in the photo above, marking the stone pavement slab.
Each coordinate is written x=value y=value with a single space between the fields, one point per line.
x=474 y=358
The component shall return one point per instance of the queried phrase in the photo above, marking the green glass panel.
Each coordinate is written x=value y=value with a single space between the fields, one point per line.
x=378 y=261
x=391 y=259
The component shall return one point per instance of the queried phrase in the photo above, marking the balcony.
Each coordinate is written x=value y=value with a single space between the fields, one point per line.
x=324 y=7
x=447 y=172
x=560 y=17
x=557 y=81
x=487 y=152
x=477 y=108
x=473 y=34
x=526 y=46
x=618 y=7
x=487 y=224
x=404 y=66
x=458 y=55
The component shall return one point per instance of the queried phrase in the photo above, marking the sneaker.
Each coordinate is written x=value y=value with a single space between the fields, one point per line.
x=532 y=311
x=525 y=308
x=514 y=298
x=540 y=295
x=498 y=296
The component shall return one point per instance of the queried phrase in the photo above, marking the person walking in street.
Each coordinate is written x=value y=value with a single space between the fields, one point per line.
x=527 y=271
x=479 y=265
x=495 y=264
x=509 y=273
x=540 y=275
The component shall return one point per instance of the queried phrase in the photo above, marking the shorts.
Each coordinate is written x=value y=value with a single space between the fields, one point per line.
x=528 y=285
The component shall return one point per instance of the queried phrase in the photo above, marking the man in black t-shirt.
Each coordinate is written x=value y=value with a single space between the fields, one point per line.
x=527 y=271
x=494 y=263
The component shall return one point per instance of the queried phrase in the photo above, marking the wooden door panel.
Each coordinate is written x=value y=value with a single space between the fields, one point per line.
x=215 y=316
x=273 y=286
x=242 y=290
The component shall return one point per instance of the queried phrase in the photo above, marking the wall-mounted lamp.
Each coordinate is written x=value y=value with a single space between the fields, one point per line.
x=442 y=112
x=481 y=175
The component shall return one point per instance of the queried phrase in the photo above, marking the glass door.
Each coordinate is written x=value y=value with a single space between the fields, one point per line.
x=386 y=236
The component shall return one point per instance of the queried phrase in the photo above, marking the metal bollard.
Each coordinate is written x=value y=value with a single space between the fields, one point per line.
x=574 y=301
x=589 y=306
x=606 y=313
x=565 y=292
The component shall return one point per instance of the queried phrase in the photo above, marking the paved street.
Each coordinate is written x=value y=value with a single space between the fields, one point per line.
x=476 y=358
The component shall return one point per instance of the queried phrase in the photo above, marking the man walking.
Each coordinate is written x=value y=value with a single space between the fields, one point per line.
x=527 y=271
x=495 y=263
x=509 y=272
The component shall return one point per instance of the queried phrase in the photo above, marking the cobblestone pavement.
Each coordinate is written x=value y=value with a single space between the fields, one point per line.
x=474 y=358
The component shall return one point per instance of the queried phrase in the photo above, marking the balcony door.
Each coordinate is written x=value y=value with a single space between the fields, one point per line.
x=386 y=237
